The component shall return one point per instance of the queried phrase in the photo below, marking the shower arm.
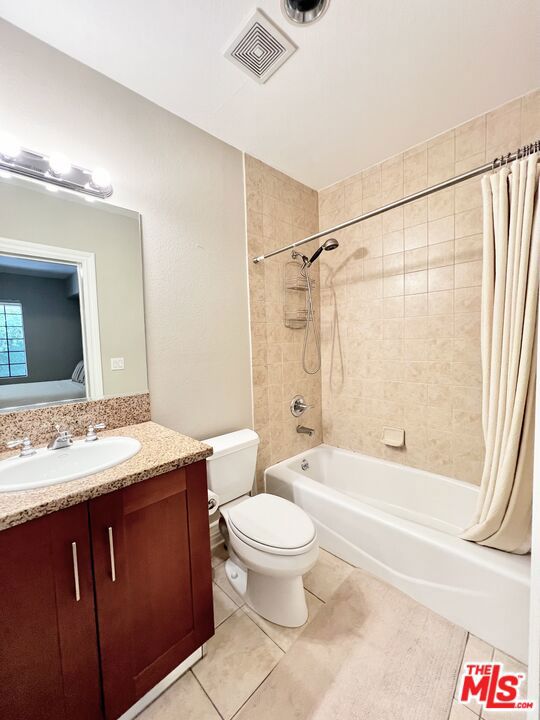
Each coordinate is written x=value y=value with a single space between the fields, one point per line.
x=487 y=167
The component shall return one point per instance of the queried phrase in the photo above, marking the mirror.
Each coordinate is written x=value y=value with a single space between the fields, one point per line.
x=71 y=298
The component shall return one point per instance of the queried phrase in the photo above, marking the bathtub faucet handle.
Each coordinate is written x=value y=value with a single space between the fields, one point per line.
x=299 y=405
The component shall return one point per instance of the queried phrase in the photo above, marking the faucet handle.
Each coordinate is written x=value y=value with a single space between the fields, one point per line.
x=91 y=434
x=62 y=432
x=25 y=444
x=298 y=405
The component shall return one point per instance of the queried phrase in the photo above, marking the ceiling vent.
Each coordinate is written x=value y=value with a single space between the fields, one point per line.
x=261 y=48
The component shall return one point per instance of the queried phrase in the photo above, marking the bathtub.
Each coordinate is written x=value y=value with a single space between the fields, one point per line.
x=402 y=525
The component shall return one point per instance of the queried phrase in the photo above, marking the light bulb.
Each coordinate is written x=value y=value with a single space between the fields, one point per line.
x=5 y=174
x=101 y=178
x=9 y=146
x=59 y=164
x=51 y=188
x=89 y=199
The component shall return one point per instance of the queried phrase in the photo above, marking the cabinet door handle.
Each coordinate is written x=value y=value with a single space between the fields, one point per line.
x=76 y=571
x=111 y=552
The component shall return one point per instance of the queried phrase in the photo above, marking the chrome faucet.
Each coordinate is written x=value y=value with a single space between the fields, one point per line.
x=25 y=444
x=91 y=434
x=62 y=439
x=304 y=430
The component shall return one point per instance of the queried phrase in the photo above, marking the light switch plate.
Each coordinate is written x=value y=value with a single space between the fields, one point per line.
x=117 y=363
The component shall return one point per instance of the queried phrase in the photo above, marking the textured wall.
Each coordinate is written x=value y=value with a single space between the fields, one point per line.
x=279 y=211
x=188 y=187
x=401 y=299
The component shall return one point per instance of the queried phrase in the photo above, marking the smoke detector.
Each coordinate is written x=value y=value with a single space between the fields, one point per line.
x=260 y=48
x=303 y=11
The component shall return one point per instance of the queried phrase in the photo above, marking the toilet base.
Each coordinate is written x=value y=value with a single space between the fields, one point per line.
x=279 y=600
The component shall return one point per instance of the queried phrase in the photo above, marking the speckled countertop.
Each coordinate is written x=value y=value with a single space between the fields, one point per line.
x=162 y=450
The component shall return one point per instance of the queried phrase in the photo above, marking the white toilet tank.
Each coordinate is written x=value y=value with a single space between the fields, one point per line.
x=231 y=469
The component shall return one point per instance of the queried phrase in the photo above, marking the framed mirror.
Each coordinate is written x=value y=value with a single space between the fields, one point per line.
x=71 y=299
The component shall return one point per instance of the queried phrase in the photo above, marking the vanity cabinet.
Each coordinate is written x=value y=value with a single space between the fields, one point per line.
x=101 y=601
x=153 y=580
x=48 y=642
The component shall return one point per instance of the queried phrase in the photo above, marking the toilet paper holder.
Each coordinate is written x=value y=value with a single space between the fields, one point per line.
x=213 y=502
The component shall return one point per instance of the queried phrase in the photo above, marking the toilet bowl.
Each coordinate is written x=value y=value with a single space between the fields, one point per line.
x=272 y=542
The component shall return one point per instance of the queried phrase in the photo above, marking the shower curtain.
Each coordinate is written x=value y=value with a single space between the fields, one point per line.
x=510 y=277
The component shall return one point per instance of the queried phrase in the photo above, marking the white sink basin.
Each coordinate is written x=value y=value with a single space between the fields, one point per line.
x=51 y=467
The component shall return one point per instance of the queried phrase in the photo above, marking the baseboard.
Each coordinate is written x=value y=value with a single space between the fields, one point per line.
x=160 y=688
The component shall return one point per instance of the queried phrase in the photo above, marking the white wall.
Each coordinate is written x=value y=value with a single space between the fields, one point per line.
x=188 y=187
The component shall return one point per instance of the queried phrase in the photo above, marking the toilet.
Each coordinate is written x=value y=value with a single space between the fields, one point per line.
x=272 y=542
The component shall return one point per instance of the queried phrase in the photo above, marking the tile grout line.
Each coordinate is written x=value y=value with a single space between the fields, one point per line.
x=204 y=691
x=264 y=633
x=258 y=686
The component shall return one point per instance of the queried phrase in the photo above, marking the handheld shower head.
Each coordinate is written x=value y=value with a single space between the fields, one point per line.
x=330 y=244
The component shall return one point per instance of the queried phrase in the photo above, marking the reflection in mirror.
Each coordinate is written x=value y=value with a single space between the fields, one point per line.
x=71 y=298
x=41 y=344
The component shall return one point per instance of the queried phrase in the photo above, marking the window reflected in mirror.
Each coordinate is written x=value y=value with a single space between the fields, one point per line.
x=41 y=341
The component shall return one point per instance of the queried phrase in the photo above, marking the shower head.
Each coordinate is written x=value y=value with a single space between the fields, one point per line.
x=330 y=244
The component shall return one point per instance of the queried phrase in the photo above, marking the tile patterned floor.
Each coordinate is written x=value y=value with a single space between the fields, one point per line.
x=246 y=648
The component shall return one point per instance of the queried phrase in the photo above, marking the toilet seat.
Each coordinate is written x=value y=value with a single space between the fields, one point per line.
x=272 y=524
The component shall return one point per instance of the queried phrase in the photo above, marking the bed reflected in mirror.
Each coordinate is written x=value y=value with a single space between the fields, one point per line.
x=41 y=340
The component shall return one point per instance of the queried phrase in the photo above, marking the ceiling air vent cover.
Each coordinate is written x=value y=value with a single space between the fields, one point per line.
x=261 y=48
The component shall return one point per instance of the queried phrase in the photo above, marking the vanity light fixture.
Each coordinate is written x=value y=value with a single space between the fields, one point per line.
x=59 y=165
x=56 y=170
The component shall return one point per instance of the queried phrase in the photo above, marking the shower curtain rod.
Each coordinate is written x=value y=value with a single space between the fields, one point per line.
x=493 y=165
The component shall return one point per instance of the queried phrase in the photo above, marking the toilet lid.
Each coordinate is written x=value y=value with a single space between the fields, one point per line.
x=272 y=521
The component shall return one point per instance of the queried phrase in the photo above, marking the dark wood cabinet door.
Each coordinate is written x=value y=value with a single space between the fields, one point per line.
x=153 y=581
x=48 y=642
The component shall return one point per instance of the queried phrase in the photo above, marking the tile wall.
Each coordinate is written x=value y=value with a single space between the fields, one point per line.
x=400 y=300
x=279 y=211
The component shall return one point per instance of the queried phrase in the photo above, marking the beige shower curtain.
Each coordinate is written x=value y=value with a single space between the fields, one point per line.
x=511 y=258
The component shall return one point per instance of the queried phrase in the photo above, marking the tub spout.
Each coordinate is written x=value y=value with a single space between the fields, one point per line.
x=304 y=430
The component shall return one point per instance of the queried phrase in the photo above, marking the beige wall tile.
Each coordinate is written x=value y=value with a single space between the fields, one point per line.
x=416 y=282
x=441 y=255
x=468 y=274
x=408 y=305
x=415 y=213
x=441 y=278
x=415 y=236
x=441 y=230
x=279 y=209
x=530 y=117
x=503 y=128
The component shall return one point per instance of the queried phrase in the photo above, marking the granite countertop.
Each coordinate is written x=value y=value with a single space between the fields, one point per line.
x=162 y=450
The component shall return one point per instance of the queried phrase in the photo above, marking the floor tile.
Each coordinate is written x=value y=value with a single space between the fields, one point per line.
x=513 y=666
x=184 y=699
x=219 y=555
x=460 y=712
x=238 y=659
x=504 y=715
x=285 y=636
x=220 y=579
x=224 y=607
x=327 y=575
x=475 y=650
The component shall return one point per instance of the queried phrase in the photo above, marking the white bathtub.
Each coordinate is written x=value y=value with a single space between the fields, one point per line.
x=401 y=524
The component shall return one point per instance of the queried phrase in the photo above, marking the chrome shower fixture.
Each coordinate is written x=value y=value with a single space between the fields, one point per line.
x=56 y=170
x=304 y=12
x=330 y=244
